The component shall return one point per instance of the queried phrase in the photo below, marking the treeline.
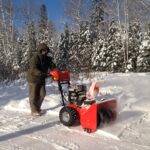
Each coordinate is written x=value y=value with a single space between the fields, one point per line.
x=99 y=35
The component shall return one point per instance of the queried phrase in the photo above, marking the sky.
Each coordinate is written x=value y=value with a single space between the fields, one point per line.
x=55 y=10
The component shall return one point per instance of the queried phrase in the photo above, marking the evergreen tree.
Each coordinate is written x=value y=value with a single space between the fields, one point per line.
x=108 y=55
x=97 y=17
x=63 y=48
x=98 y=38
x=76 y=11
x=134 y=45
x=99 y=56
x=114 y=54
x=31 y=39
x=23 y=52
x=52 y=38
x=84 y=46
x=46 y=30
x=7 y=41
x=74 y=61
x=80 y=51
x=143 y=59
x=43 y=25
x=26 y=48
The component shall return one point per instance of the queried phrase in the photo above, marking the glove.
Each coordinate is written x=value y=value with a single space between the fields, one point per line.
x=49 y=75
x=44 y=75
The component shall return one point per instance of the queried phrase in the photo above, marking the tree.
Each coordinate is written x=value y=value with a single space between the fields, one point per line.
x=85 y=47
x=134 y=46
x=7 y=40
x=108 y=54
x=114 y=59
x=46 y=30
x=77 y=11
x=97 y=17
x=63 y=47
x=99 y=56
x=43 y=25
x=135 y=12
x=74 y=61
x=143 y=59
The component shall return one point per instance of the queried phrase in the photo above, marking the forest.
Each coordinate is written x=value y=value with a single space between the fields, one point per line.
x=95 y=35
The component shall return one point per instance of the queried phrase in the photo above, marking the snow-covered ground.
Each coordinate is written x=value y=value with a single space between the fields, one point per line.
x=131 y=131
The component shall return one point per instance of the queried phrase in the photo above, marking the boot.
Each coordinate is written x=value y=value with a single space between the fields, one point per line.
x=35 y=113
x=42 y=111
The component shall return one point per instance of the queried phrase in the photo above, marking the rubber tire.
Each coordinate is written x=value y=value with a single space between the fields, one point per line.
x=107 y=115
x=71 y=116
x=98 y=119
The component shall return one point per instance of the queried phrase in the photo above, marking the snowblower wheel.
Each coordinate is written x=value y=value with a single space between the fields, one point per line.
x=114 y=115
x=67 y=116
x=98 y=119
x=106 y=115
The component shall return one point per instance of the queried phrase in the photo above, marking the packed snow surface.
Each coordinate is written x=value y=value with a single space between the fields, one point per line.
x=131 y=131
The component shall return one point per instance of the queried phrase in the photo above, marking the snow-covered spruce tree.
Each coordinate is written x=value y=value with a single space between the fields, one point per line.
x=74 y=61
x=21 y=49
x=97 y=17
x=99 y=29
x=28 y=44
x=143 y=59
x=46 y=30
x=108 y=54
x=80 y=50
x=7 y=40
x=76 y=11
x=52 y=38
x=84 y=47
x=114 y=53
x=63 y=50
x=43 y=25
x=99 y=56
x=2 y=61
x=134 y=45
x=31 y=39
x=15 y=56
x=23 y=52
x=25 y=47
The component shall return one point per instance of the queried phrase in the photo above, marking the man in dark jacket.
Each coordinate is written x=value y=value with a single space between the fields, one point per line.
x=38 y=68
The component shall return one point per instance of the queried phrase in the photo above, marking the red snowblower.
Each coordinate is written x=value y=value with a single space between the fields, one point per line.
x=82 y=106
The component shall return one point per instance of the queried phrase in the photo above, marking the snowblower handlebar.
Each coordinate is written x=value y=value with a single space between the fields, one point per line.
x=60 y=75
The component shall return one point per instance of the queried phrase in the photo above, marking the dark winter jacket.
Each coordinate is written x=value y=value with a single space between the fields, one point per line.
x=38 y=69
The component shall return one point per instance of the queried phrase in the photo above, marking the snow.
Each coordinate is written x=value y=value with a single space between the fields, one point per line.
x=131 y=131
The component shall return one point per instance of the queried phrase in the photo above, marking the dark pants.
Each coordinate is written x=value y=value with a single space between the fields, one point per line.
x=37 y=93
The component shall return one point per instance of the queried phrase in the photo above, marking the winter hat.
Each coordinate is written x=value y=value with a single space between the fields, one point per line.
x=42 y=46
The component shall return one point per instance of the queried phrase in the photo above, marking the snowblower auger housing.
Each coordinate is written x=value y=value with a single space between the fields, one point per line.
x=89 y=112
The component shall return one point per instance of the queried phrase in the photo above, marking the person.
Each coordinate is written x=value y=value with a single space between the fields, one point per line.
x=36 y=75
